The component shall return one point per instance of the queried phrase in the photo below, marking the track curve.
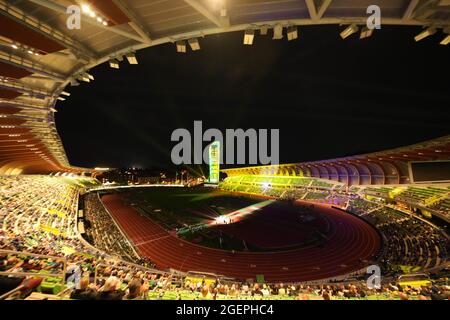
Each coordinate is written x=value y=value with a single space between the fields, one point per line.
x=352 y=242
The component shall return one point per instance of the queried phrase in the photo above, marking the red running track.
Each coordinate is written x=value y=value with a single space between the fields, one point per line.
x=352 y=241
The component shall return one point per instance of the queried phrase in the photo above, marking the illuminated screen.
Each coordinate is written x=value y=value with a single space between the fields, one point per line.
x=430 y=171
x=214 y=162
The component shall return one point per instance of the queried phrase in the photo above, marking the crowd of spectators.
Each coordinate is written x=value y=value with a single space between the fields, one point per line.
x=411 y=243
x=102 y=232
x=355 y=290
x=38 y=216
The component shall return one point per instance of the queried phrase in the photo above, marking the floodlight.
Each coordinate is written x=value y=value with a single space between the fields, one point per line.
x=113 y=63
x=446 y=40
x=249 y=36
x=263 y=31
x=84 y=77
x=292 y=33
x=425 y=33
x=278 y=32
x=349 y=31
x=195 y=45
x=131 y=57
x=366 y=33
x=86 y=8
x=181 y=46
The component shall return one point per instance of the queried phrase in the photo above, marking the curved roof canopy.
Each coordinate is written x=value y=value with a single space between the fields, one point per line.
x=378 y=168
x=40 y=55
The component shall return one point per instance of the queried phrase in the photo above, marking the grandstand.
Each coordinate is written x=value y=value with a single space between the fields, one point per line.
x=430 y=199
x=64 y=236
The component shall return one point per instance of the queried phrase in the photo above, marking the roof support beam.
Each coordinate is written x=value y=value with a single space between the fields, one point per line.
x=21 y=105
x=49 y=4
x=323 y=7
x=31 y=66
x=425 y=10
x=409 y=12
x=316 y=11
x=135 y=21
x=15 y=85
x=200 y=8
x=312 y=9
x=25 y=117
x=38 y=26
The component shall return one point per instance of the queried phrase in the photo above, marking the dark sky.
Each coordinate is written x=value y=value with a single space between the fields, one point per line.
x=329 y=97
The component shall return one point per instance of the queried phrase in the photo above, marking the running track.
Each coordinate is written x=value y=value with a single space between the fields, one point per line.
x=351 y=240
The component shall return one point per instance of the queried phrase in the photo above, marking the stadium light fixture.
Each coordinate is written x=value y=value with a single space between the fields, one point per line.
x=223 y=220
x=366 y=33
x=351 y=29
x=74 y=83
x=249 y=36
x=264 y=30
x=278 y=32
x=131 y=57
x=65 y=93
x=292 y=33
x=61 y=99
x=181 y=46
x=84 y=77
x=113 y=63
x=195 y=45
x=446 y=40
x=425 y=33
x=85 y=8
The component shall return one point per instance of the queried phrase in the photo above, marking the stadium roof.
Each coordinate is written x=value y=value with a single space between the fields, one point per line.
x=40 y=56
x=384 y=167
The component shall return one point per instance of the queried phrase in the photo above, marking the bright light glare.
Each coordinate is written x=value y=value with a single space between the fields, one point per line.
x=223 y=220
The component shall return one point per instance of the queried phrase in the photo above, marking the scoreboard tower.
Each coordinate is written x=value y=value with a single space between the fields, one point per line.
x=214 y=162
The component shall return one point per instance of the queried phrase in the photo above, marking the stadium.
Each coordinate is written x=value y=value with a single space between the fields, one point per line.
x=368 y=226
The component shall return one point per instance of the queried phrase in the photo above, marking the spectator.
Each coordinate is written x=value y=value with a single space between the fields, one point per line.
x=110 y=290
x=84 y=292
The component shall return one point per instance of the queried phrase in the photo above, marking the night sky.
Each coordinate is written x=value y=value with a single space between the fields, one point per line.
x=329 y=97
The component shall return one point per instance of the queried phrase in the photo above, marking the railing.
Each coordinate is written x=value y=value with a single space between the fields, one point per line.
x=60 y=274
x=35 y=256
x=126 y=268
